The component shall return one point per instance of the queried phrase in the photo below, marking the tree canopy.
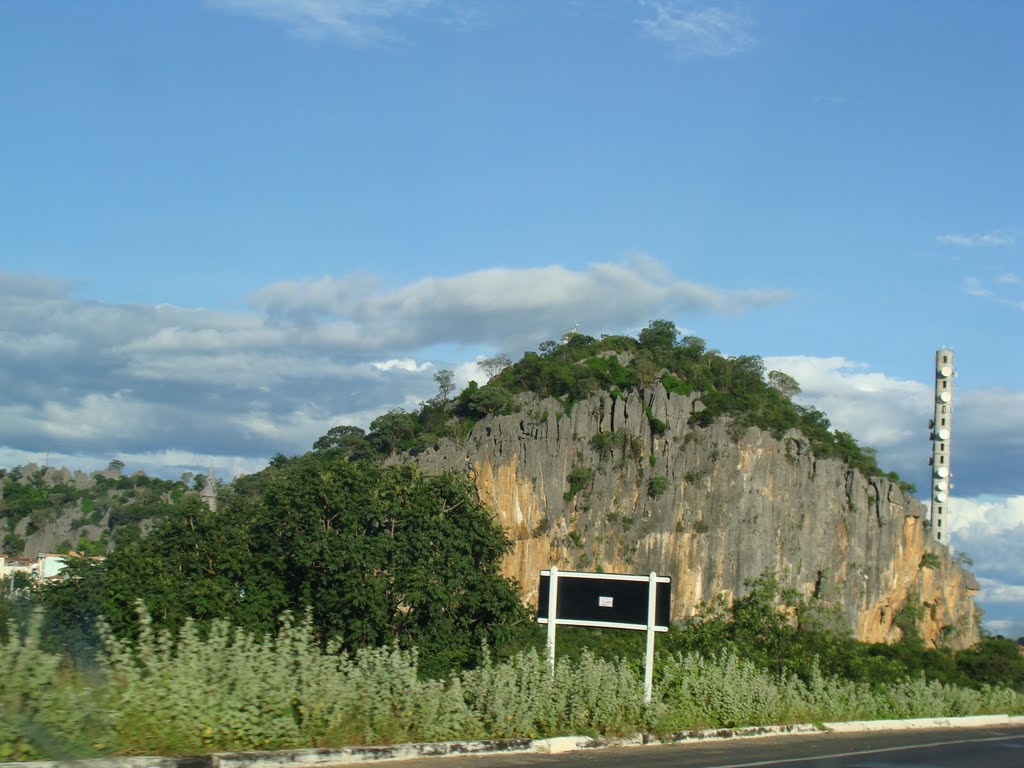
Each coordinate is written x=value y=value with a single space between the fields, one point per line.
x=376 y=554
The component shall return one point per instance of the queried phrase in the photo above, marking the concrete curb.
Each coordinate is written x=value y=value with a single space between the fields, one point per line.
x=299 y=758
x=746 y=732
x=975 y=721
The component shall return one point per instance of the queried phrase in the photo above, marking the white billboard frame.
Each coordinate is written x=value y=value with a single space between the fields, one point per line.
x=651 y=627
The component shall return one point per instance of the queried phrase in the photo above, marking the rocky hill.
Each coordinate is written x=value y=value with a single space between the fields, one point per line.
x=49 y=509
x=631 y=483
x=622 y=455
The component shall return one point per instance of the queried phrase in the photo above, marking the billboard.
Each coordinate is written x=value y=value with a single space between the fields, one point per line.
x=615 y=601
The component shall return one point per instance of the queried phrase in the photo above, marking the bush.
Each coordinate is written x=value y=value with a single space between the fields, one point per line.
x=656 y=486
x=579 y=479
x=228 y=689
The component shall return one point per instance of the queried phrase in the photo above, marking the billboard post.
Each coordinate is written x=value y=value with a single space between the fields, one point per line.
x=614 y=601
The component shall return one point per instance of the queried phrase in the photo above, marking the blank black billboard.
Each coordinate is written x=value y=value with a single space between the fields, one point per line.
x=605 y=599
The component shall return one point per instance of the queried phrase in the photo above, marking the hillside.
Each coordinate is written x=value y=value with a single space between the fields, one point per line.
x=595 y=487
x=655 y=453
x=625 y=455
x=46 y=509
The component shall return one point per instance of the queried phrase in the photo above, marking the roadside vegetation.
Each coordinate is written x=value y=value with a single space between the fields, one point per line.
x=216 y=687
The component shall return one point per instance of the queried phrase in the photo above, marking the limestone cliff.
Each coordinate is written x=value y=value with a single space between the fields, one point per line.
x=599 y=487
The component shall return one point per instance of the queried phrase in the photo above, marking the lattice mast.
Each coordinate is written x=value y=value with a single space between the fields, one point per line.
x=940 y=426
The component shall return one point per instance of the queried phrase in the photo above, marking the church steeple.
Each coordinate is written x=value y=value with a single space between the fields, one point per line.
x=209 y=494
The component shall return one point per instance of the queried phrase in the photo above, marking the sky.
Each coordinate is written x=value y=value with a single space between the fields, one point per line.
x=229 y=225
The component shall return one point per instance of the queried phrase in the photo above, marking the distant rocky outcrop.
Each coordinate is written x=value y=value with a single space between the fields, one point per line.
x=626 y=484
x=50 y=509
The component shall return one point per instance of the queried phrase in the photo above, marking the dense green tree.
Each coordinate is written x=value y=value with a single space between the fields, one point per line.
x=377 y=554
x=350 y=441
x=394 y=431
x=994 y=660
x=659 y=335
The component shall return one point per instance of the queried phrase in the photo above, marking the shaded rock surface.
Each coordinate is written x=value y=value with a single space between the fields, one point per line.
x=711 y=507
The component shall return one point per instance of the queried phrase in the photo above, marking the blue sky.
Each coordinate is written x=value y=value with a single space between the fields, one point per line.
x=227 y=225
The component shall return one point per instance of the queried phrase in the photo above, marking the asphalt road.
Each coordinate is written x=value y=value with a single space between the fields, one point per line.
x=993 y=747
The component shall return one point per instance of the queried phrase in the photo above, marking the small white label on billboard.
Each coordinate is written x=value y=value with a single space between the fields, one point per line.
x=605 y=602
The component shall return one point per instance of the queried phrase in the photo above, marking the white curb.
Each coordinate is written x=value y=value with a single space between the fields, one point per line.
x=974 y=721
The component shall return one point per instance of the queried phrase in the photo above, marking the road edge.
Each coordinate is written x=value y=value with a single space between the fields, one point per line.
x=300 y=758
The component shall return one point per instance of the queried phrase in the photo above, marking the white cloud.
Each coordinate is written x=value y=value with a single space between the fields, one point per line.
x=697 y=28
x=975 y=287
x=986 y=240
x=986 y=515
x=891 y=415
x=354 y=21
x=993 y=591
x=83 y=378
x=1010 y=628
x=492 y=305
x=880 y=411
x=404 y=364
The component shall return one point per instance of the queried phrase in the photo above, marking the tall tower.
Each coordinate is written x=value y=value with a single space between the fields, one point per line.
x=209 y=492
x=940 y=426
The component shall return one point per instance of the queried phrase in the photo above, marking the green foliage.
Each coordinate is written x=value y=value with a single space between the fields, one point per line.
x=993 y=661
x=13 y=545
x=91 y=547
x=393 y=432
x=378 y=554
x=349 y=441
x=220 y=688
x=579 y=479
x=603 y=443
x=737 y=388
x=656 y=486
x=41 y=500
x=659 y=335
x=475 y=401
x=930 y=560
x=445 y=380
x=676 y=386
x=907 y=618
x=784 y=384
x=45 y=709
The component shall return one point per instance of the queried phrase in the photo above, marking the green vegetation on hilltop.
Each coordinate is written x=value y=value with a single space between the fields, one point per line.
x=738 y=388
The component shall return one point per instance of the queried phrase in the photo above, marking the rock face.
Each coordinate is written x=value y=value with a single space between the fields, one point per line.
x=628 y=486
